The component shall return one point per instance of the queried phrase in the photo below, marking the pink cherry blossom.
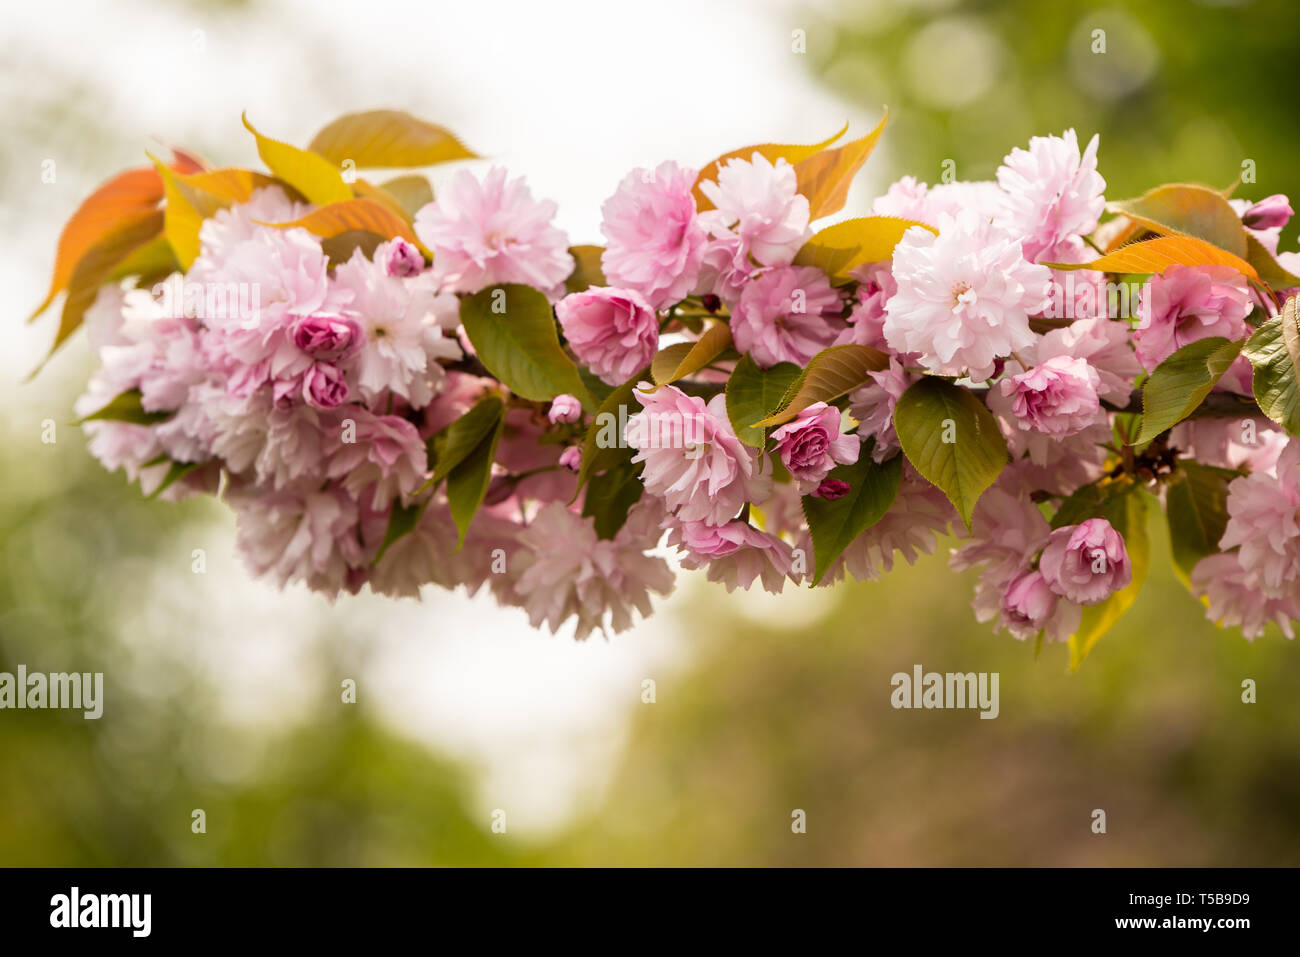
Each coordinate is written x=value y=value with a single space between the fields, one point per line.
x=1053 y=192
x=964 y=297
x=734 y=553
x=693 y=460
x=758 y=202
x=1187 y=303
x=572 y=573
x=784 y=315
x=487 y=232
x=812 y=444
x=1086 y=563
x=614 y=332
x=655 y=244
x=1057 y=397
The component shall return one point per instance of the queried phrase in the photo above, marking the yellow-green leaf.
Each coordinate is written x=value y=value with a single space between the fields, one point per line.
x=411 y=192
x=839 y=249
x=192 y=199
x=686 y=358
x=311 y=174
x=587 y=271
x=831 y=373
x=388 y=139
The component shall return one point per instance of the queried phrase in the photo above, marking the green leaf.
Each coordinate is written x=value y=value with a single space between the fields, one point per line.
x=467 y=483
x=401 y=522
x=587 y=271
x=753 y=394
x=1196 y=509
x=1129 y=518
x=604 y=447
x=687 y=358
x=838 y=250
x=951 y=439
x=1181 y=382
x=1094 y=500
x=830 y=374
x=611 y=495
x=339 y=249
x=387 y=138
x=315 y=177
x=513 y=331
x=174 y=474
x=1187 y=209
x=127 y=408
x=1275 y=362
x=834 y=523
x=453 y=444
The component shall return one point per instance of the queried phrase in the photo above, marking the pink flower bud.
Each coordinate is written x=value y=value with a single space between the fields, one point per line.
x=1087 y=562
x=831 y=489
x=571 y=457
x=326 y=337
x=403 y=259
x=565 y=408
x=1271 y=213
x=323 y=386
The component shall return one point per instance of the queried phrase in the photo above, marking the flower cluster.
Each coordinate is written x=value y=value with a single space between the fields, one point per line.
x=393 y=390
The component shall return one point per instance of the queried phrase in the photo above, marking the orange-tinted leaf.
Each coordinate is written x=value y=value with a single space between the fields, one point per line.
x=126 y=195
x=1157 y=255
x=838 y=250
x=1189 y=210
x=363 y=214
x=387 y=138
x=97 y=263
x=824 y=177
x=772 y=151
x=192 y=199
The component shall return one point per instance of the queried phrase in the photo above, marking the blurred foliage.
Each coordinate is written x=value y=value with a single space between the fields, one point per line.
x=1186 y=90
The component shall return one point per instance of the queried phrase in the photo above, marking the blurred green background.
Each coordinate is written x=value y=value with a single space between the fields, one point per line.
x=762 y=707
